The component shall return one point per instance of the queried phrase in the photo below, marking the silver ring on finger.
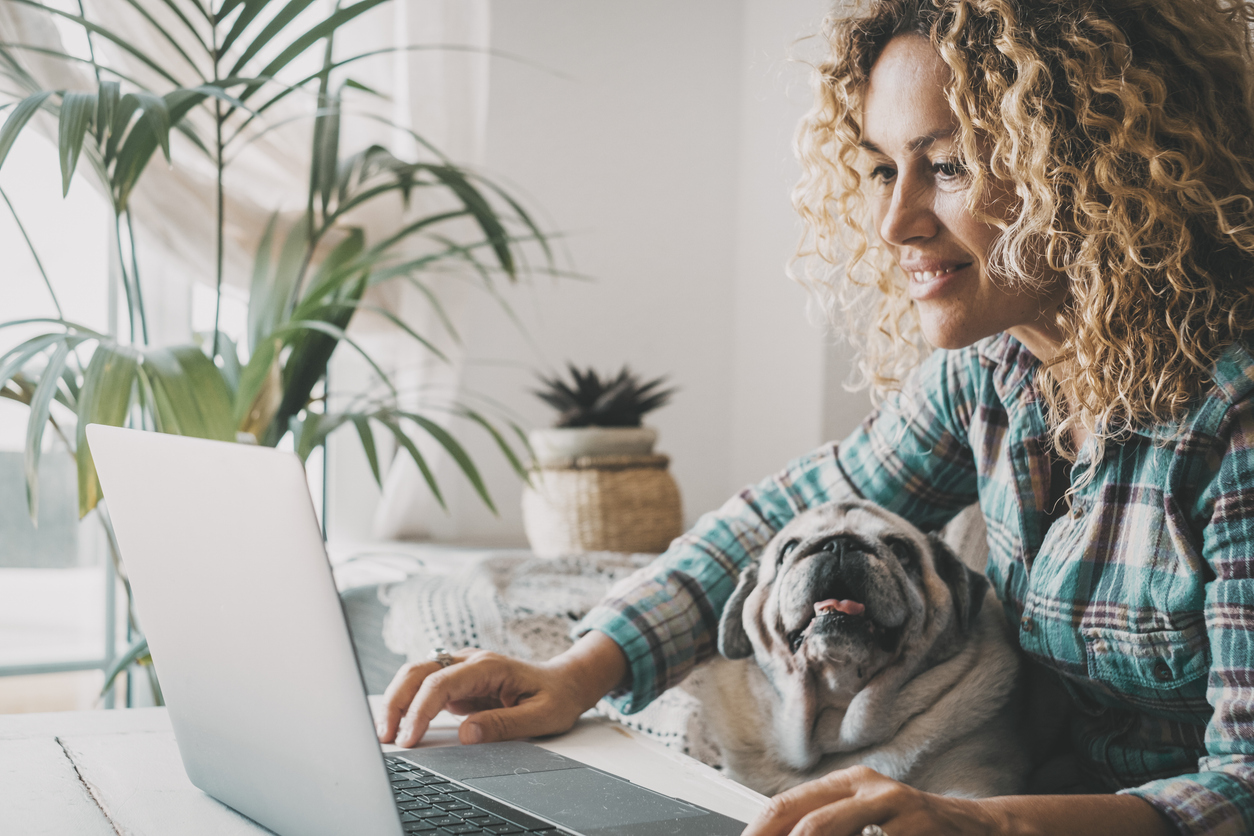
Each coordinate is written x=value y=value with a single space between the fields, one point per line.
x=441 y=655
x=873 y=830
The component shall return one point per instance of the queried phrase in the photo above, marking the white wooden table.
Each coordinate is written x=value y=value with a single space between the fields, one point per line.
x=118 y=773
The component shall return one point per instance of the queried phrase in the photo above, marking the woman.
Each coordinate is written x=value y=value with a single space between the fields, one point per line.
x=1058 y=200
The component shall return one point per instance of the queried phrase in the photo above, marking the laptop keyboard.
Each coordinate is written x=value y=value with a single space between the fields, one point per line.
x=434 y=806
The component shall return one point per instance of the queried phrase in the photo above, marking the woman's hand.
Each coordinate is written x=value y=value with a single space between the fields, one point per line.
x=842 y=803
x=505 y=698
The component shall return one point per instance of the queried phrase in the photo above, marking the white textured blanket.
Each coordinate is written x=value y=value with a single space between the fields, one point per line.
x=526 y=607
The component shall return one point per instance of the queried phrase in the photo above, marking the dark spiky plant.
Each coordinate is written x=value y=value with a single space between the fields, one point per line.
x=589 y=400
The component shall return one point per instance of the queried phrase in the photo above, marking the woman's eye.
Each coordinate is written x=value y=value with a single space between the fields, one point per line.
x=949 y=169
x=883 y=173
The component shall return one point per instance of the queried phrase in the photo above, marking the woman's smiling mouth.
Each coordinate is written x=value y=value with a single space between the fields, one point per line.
x=928 y=283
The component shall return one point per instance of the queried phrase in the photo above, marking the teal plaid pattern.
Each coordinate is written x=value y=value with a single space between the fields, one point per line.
x=1141 y=596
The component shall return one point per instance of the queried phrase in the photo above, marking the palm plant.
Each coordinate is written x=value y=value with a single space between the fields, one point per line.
x=310 y=277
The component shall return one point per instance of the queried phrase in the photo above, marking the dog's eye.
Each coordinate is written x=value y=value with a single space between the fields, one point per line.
x=905 y=552
x=786 y=549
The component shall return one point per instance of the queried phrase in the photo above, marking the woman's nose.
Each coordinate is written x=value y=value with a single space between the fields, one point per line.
x=909 y=216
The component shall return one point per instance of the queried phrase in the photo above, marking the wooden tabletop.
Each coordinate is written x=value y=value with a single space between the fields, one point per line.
x=105 y=773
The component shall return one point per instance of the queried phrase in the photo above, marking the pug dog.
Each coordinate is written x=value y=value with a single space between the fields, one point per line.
x=856 y=639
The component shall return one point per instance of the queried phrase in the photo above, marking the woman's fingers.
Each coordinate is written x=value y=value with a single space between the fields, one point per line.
x=505 y=698
x=842 y=801
x=533 y=717
x=483 y=676
x=399 y=694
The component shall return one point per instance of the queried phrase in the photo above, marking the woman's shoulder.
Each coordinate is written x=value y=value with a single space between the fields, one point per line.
x=1232 y=378
x=1227 y=402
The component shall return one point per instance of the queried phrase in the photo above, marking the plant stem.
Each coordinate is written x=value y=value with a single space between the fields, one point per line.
x=91 y=47
x=126 y=282
x=115 y=554
x=217 y=113
x=139 y=296
x=315 y=165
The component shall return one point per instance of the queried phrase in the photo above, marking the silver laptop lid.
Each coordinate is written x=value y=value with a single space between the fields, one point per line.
x=233 y=590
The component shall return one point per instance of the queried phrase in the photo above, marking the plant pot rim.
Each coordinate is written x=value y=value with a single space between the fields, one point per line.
x=551 y=444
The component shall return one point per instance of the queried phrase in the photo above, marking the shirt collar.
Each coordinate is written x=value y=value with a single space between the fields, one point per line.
x=1014 y=364
x=1232 y=380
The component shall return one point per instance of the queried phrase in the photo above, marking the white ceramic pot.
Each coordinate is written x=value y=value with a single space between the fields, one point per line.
x=564 y=443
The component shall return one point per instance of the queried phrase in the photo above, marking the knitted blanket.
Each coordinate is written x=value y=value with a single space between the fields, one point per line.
x=526 y=607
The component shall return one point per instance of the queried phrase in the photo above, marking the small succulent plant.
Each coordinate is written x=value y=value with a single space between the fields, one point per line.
x=588 y=400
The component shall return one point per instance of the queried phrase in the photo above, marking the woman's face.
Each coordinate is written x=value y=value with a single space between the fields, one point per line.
x=918 y=193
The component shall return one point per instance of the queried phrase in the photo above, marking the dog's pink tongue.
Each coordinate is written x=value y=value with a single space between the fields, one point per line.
x=847 y=607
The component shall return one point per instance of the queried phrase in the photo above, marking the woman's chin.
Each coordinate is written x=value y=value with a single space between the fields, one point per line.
x=950 y=336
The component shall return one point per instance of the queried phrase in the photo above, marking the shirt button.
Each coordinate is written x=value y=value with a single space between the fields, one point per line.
x=1162 y=671
x=1027 y=624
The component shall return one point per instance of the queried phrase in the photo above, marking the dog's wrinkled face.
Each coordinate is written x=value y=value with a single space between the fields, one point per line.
x=841 y=592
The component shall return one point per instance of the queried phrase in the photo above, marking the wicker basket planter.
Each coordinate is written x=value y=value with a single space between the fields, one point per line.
x=624 y=503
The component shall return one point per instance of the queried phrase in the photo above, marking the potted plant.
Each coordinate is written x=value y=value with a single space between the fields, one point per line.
x=597 y=416
x=596 y=484
x=228 y=70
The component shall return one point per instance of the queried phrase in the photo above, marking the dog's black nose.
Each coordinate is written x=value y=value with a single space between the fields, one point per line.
x=842 y=544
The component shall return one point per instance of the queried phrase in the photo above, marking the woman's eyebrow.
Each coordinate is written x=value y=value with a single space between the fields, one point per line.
x=915 y=145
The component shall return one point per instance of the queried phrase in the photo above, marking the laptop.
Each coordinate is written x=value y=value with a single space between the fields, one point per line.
x=233 y=589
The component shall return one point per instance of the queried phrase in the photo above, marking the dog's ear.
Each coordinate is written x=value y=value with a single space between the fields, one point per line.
x=966 y=586
x=733 y=641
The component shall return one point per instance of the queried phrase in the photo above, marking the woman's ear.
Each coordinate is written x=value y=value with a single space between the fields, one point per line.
x=733 y=641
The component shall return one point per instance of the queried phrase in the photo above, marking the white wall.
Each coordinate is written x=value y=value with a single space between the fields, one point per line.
x=660 y=145
x=787 y=372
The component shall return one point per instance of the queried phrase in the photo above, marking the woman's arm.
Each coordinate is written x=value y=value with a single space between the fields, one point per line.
x=844 y=802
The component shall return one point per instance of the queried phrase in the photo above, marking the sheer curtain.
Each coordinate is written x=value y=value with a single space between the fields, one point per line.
x=441 y=93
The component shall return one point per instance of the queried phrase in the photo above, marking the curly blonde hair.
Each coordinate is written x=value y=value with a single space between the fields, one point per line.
x=1126 y=128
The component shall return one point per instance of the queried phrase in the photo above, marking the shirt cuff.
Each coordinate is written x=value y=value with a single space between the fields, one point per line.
x=1202 y=803
x=640 y=690
x=665 y=625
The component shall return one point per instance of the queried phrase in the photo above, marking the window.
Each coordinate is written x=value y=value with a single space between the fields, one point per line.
x=56 y=585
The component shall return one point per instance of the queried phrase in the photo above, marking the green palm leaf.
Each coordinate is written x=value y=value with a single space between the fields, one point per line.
x=211 y=396
x=298 y=325
x=267 y=308
x=15 y=358
x=362 y=423
x=77 y=113
x=259 y=394
x=190 y=396
x=137 y=652
x=104 y=33
x=107 y=99
x=302 y=42
x=403 y=439
x=271 y=30
x=313 y=429
x=456 y=451
x=40 y=413
x=107 y=394
x=17 y=120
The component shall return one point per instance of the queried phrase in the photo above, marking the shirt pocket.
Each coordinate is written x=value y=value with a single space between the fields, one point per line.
x=1150 y=663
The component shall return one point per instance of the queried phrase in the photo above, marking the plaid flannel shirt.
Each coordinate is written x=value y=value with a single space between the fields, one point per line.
x=1141 y=597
